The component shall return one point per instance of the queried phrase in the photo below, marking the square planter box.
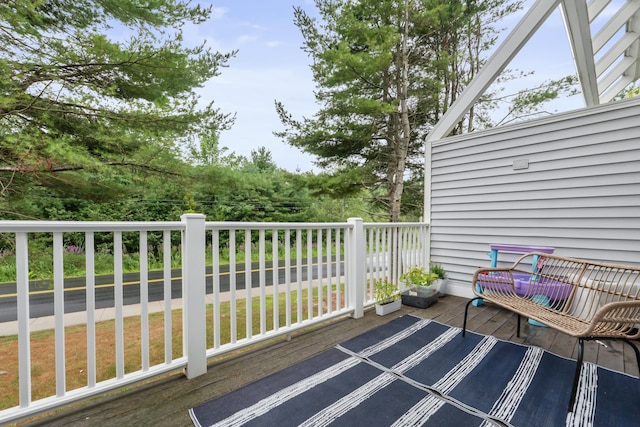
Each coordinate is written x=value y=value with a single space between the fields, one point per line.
x=420 y=299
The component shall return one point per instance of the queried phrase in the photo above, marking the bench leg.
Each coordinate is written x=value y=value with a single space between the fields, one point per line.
x=518 y=330
x=576 y=377
x=466 y=310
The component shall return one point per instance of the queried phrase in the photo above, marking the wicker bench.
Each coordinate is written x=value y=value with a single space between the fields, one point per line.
x=585 y=299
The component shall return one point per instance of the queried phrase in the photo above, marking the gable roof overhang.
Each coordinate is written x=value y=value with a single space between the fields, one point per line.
x=605 y=63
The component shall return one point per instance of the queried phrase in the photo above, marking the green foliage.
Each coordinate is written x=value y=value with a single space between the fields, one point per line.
x=207 y=151
x=256 y=191
x=89 y=86
x=41 y=257
x=630 y=92
x=262 y=161
x=438 y=270
x=385 y=72
x=385 y=291
x=418 y=276
x=353 y=48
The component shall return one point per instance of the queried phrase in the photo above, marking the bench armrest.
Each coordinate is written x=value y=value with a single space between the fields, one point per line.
x=493 y=280
x=619 y=319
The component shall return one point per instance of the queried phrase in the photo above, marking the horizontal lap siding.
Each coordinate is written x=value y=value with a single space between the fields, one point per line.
x=580 y=193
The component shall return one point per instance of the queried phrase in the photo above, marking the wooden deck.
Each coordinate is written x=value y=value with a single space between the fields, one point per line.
x=165 y=401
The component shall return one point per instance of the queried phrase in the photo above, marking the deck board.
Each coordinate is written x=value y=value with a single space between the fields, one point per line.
x=165 y=401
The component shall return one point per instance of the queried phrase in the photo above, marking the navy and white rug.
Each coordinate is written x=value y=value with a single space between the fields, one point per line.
x=415 y=372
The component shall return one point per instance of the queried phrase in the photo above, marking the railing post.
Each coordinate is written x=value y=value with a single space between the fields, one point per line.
x=193 y=295
x=24 y=340
x=357 y=268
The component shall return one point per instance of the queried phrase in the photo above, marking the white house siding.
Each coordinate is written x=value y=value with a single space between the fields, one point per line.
x=580 y=193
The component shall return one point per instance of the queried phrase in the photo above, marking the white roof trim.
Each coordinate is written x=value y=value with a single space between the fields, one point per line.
x=615 y=52
x=576 y=23
x=596 y=7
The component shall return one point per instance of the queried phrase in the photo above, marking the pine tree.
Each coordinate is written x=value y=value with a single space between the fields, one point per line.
x=92 y=85
x=386 y=71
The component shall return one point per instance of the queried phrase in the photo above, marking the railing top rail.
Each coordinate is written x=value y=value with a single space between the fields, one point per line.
x=395 y=224
x=75 y=226
x=228 y=225
x=9 y=226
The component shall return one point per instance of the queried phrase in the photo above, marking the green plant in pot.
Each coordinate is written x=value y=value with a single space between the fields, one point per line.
x=387 y=296
x=441 y=277
x=418 y=277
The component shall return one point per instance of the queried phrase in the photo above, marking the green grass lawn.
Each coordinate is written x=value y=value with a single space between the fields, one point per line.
x=43 y=344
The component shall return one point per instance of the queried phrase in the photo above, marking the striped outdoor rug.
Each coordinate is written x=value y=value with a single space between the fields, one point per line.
x=414 y=372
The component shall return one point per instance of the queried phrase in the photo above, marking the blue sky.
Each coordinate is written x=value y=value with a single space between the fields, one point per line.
x=271 y=65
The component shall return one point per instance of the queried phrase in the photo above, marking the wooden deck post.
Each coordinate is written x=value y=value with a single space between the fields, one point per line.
x=357 y=267
x=193 y=295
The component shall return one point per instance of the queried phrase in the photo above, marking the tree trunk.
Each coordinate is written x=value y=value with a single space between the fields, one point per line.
x=403 y=132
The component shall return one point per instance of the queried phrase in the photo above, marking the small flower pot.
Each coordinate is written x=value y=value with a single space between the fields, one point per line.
x=441 y=286
x=390 y=307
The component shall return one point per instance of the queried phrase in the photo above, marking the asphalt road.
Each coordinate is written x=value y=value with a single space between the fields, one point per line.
x=41 y=292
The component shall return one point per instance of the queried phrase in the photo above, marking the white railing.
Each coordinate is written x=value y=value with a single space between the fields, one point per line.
x=266 y=280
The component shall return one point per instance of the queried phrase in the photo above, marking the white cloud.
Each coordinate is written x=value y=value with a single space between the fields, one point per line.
x=274 y=43
x=218 y=13
x=246 y=39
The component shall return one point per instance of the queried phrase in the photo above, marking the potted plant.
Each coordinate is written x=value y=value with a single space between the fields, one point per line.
x=387 y=297
x=441 y=277
x=420 y=293
x=418 y=278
